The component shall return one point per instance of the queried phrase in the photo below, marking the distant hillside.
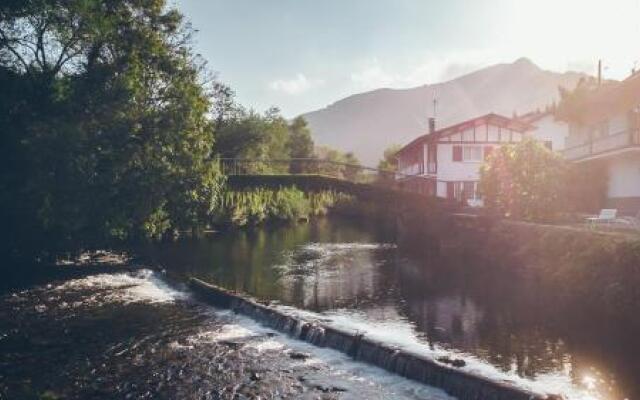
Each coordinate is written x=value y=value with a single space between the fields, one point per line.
x=367 y=123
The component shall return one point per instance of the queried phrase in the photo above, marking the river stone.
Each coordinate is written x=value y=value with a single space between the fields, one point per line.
x=298 y=355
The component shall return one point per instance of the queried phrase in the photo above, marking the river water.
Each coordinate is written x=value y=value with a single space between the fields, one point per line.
x=141 y=334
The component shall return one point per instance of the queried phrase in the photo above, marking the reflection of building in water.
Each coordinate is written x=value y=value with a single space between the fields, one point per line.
x=333 y=276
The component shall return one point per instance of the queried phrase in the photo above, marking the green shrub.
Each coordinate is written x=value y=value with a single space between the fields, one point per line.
x=258 y=205
x=524 y=181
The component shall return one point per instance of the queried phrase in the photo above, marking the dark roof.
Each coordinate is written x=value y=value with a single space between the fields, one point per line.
x=495 y=119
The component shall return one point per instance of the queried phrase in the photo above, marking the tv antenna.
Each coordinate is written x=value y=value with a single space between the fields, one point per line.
x=435 y=104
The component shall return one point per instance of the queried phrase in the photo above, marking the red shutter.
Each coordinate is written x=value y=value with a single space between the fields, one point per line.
x=487 y=151
x=457 y=153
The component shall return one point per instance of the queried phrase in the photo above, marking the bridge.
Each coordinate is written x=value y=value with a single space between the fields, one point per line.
x=381 y=188
x=313 y=174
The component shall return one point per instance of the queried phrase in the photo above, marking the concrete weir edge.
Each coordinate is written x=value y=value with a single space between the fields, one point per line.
x=455 y=382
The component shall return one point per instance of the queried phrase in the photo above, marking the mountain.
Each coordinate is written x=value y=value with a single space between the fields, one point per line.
x=369 y=122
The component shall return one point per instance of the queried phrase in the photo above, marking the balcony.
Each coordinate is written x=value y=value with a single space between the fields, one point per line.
x=603 y=146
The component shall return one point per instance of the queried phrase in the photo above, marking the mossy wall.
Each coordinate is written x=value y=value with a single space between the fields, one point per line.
x=581 y=270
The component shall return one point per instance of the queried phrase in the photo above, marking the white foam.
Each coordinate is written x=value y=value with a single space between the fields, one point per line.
x=140 y=286
x=228 y=332
x=346 y=246
x=269 y=345
x=335 y=363
x=400 y=332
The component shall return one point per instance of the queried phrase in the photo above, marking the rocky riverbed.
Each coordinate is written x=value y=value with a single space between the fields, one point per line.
x=131 y=336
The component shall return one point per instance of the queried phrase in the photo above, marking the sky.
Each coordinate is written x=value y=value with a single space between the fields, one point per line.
x=301 y=55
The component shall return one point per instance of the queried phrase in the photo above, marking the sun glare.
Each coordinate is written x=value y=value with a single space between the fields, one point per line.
x=574 y=34
x=589 y=382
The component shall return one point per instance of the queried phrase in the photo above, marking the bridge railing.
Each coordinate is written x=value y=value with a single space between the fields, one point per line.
x=334 y=169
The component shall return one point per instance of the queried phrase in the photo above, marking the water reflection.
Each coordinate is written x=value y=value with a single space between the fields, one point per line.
x=455 y=301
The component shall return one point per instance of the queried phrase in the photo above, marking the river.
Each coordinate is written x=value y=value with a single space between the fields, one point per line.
x=142 y=335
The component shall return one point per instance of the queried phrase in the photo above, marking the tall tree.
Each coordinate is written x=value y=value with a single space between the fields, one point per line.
x=389 y=164
x=107 y=121
x=300 y=145
x=257 y=139
x=572 y=101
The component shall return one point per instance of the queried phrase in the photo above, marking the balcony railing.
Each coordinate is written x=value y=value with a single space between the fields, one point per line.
x=601 y=146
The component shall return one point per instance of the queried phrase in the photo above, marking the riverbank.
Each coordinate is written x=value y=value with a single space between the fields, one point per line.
x=579 y=268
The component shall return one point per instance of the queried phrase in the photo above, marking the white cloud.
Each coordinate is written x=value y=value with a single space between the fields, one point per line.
x=294 y=86
x=427 y=69
x=372 y=76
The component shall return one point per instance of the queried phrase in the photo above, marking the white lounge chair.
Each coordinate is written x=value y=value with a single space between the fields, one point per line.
x=607 y=215
x=475 y=203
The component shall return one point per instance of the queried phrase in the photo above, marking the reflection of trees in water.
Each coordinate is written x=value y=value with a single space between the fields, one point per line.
x=502 y=318
x=457 y=300
x=483 y=313
x=338 y=278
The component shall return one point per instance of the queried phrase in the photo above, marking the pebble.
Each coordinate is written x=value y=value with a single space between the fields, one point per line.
x=298 y=355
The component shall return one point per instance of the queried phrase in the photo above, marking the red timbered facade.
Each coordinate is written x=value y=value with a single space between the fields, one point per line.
x=446 y=162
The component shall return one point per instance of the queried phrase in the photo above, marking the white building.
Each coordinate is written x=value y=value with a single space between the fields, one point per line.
x=547 y=128
x=609 y=133
x=446 y=162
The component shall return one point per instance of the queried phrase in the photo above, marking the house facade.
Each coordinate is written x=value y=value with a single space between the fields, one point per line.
x=608 y=133
x=548 y=129
x=446 y=162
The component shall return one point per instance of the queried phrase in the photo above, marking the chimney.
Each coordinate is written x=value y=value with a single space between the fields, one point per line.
x=432 y=124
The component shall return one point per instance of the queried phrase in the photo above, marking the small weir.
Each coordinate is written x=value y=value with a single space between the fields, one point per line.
x=461 y=384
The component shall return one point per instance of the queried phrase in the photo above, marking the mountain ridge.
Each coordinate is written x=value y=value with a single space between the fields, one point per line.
x=368 y=122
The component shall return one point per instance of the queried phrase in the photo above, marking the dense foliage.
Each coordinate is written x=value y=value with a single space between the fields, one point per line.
x=104 y=124
x=389 y=161
x=389 y=164
x=338 y=164
x=524 y=181
x=528 y=181
x=300 y=145
x=573 y=101
x=112 y=128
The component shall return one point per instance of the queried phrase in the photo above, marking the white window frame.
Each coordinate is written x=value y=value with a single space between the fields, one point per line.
x=467 y=154
x=458 y=188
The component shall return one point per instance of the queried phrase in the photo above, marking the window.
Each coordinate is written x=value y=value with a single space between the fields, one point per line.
x=472 y=153
x=505 y=135
x=467 y=153
x=548 y=144
x=463 y=190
